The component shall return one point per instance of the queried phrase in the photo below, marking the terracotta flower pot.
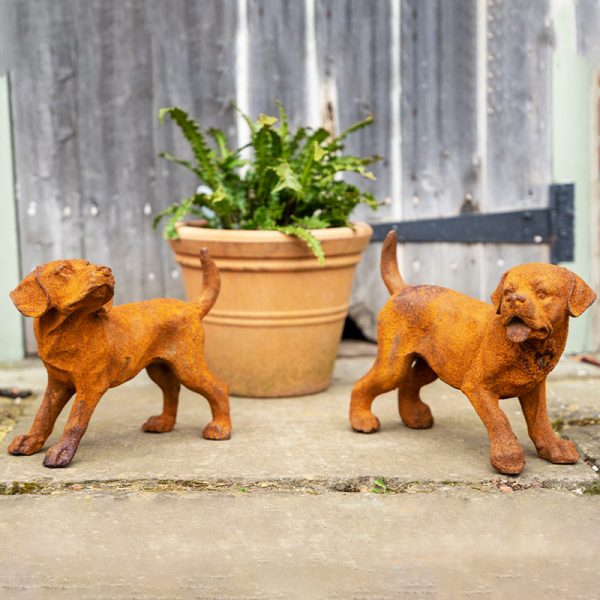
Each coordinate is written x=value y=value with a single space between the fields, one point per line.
x=275 y=328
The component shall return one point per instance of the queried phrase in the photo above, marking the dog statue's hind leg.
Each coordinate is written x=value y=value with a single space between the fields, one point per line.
x=166 y=380
x=383 y=376
x=196 y=377
x=413 y=411
x=56 y=396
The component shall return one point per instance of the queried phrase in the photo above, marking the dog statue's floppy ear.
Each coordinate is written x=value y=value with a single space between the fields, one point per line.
x=30 y=298
x=580 y=297
x=497 y=294
x=106 y=307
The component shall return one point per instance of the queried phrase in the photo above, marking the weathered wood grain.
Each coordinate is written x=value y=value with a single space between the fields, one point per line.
x=193 y=66
x=117 y=155
x=518 y=100
x=354 y=43
x=44 y=109
x=439 y=135
x=355 y=70
x=587 y=14
x=439 y=98
x=277 y=53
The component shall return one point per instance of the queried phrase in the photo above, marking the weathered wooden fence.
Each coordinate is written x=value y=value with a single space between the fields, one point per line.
x=459 y=90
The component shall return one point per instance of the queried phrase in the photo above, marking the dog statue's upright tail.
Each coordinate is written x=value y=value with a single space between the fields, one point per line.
x=211 y=283
x=389 y=264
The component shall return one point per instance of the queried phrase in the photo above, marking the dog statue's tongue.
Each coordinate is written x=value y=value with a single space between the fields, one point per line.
x=517 y=331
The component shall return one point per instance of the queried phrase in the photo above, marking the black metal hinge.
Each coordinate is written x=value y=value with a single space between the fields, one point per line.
x=553 y=225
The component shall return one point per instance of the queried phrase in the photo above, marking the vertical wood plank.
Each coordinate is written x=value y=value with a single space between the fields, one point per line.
x=193 y=67
x=116 y=152
x=276 y=30
x=439 y=135
x=355 y=68
x=44 y=109
x=439 y=99
x=587 y=15
x=354 y=44
x=518 y=96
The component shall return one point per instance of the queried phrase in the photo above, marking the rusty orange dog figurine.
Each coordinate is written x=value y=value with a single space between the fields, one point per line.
x=88 y=347
x=489 y=352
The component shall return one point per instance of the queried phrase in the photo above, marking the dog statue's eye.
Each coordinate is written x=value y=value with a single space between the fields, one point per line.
x=541 y=294
x=64 y=271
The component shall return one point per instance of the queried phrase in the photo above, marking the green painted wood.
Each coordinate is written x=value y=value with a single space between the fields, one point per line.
x=11 y=322
x=572 y=83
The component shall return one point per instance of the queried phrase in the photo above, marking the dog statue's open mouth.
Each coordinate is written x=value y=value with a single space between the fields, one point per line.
x=517 y=330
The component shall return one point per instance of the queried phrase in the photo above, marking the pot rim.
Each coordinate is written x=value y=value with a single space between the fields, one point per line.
x=189 y=232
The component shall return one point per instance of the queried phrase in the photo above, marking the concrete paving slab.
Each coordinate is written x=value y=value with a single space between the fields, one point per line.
x=447 y=544
x=587 y=439
x=294 y=440
x=574 y=399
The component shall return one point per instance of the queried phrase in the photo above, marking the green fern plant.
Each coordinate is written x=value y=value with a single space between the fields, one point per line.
x=290 y=184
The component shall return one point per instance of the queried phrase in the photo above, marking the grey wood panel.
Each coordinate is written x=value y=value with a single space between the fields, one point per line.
x=45 y=135
x=439 y=106
x=85 y=98
x=587 y=14
x=354 y=53
x=518 y=98
x=440 y=174
x=44 y=109
x=116 y=152
x=354 y=45
x=193 y=66
x=277 y=52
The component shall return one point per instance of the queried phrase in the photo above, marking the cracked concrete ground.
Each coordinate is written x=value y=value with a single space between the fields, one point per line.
x=296 y=505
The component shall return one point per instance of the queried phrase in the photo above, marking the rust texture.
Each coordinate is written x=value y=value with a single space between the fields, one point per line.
x=488 y=351
x=88 y=346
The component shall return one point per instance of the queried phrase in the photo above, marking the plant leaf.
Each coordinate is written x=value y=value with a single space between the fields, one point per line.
x=203 y=154
x=287 y=178
x=319 y=152
x=265 y=121
x=353 y=128
x=220 y=140
x=305 y=235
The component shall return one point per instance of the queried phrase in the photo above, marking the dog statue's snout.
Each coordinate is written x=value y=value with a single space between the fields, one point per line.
x=515 y=299
x=106 y=272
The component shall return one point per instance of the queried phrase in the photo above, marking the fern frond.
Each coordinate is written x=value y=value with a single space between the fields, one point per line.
x=360 y=125
x=202 y=153
x=306 y=236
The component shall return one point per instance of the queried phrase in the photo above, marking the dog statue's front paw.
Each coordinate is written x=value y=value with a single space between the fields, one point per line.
x=562 y=452
x=217 y=430
x=365 y=422
x=158 y=424
x=508 y=461
x=26 y=444
x=59 y=456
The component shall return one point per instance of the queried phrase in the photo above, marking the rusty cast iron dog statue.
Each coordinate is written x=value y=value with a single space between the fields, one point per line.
x=88 y=347
x=489 y=352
